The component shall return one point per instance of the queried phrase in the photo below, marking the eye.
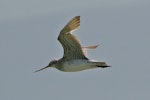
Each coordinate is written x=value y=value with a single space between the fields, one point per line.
x=53 y=62
x=50 y=63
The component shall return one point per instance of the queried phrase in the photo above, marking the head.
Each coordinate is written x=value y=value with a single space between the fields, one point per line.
x=51 y=64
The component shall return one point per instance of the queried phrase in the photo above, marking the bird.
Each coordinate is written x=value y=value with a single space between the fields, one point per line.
x=75 y=56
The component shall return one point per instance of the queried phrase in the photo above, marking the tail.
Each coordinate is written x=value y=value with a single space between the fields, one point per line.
x=101 y=64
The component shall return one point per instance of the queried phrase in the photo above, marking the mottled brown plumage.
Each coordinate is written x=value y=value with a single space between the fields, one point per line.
x=75 y=57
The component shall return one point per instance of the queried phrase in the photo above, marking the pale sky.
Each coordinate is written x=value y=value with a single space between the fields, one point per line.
x=28 y=40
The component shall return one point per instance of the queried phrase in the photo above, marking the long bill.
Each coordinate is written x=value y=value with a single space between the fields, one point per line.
x=41 y=69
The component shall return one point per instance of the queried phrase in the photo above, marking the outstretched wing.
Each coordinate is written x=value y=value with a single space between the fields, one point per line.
x=71 y=45
x=84 y=49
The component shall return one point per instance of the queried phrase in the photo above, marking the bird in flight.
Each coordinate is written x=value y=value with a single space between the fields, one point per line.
x=75 y=56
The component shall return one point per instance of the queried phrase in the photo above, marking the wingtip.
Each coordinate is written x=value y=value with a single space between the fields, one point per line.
x=91 y=47
x=77 y=17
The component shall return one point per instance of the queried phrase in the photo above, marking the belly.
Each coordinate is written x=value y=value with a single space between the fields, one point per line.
x=77 y=65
